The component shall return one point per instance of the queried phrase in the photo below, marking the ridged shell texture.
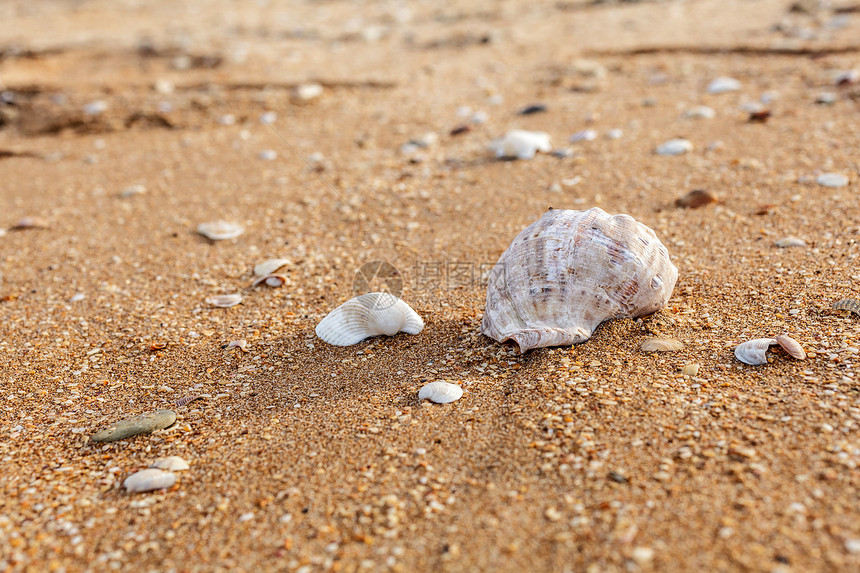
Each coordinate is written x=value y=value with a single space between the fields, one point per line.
x=571 y=270
x=368 y=315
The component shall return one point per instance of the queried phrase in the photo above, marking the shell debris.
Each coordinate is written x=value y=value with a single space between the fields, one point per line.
x=273 y=281
x=662 y=345
x=787 y=242
x=723 y=85
x=790 y=345
x=220 y=230
x=849 y=304
x=440 y=392
x=224 y=300
x=171 y=464
x=521 y=144
x=269 y=266
x=674 y=147
x=754 y=352
x=832 y=180
x=148 y=480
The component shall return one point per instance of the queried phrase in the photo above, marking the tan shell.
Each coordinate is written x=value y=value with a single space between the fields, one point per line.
x=571 y=270
x=790 y=345
x=754 y=352
x=662 y=345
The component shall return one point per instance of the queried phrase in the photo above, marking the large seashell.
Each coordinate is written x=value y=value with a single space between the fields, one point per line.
x=440 y=392
x=849 y=304
x=220 y=230
x=790 y=345
x=368 y=315
x=754 y=352
x=571 y=270
x=521 y=144
x=148 y=480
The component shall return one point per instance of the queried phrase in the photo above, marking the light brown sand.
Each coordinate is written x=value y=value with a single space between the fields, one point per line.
x=310 y=457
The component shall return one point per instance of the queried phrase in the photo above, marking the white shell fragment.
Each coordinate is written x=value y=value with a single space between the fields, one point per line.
x=269 y=266
x=149 y=480
x=240 y=344
x=832 y=180
x=571 y=270
x=307 y=92
x=674 y=147
x=171 y=464
x=585 y=135
x=754 y=352
x=787 y=242
x=270 y=280
x=521 y=144
x=700 y=112
x=790 y=345
x=662 y=345
x=224 y=300
x=367 y=315
x=220 y=230
x=440 y=392
x=723 y=85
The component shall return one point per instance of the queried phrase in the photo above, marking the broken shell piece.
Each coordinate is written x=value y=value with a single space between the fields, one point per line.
x=569 y=271
x=149 y=480
x=832 y=180
x=440 y=392
x=521 y=144
x=691 y=369
x=662 y=345
x=306 y=92
x=171 y=464
x=786 y=242
x=132 y=191
x=224 y=300
x=723 y=85
x=849 y=304
x=367 y=315
x=220 y=230
x=270 y=280
x=700 y=112
x=674 y=147
x=790 y=345
x=695 y=199
x=30 y=223
x=270 y=266
x=754 y=352
x=240 y=344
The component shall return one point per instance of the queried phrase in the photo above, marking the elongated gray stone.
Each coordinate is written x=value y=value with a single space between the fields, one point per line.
x=142 y=424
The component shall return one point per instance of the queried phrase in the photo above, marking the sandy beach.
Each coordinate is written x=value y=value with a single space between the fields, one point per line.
x=352 y=140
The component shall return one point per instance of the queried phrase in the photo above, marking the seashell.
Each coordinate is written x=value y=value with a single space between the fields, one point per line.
x=826 y=98
x=832 y=180
x=700 y=112
x=269 y=266
x=786 y=242
x=148 y=480
x=662 y=345
x=571 y=270
x=186 y=400
x=367 y=315
x=171 y=464
x=220 y=230
x=440 y=392
x=754 y=352
x=695 y=199
x=30 y=222
x=723 y=85
x=849 y=304
x=307 y=92
x=240 y=344
x=521 y=144
x=224 y=300
x=132 y=191
x=790 y=345
x=585 y=135
x=270 y=280
x=674 y=147
x=691 y=369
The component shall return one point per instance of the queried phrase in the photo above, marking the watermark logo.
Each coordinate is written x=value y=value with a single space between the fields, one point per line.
x=377 y=276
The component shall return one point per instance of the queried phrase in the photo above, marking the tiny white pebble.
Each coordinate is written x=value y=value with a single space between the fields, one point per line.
x=246 y=516
x=95 y=107
x=268 y=154
x=723 y=85
x=674 y=147
x=832 y=180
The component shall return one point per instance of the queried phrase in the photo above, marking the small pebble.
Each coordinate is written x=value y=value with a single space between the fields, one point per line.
x=268 y=155
x=695 y=199
x=700 y=112
x=614 y=134
x=826 y=98
x=531 y=109
x=832 y=180
x=674 y=147
x=307 y=92
x=786 y=242
x=149 y=480
x=141 y=424
x=132 y=191
x=95 y=107
x=170 y=463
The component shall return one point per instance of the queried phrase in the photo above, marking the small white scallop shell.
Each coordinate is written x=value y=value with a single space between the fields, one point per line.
x=367 y=315
x=521 y=144
x=224 y=300
x=269 y=266
x=569 y=271
x=148 y=480
x=674 y=147
x=220 y=230
x=723 y=85
x=440 y=392
x=790 y=345
x=170 y=463
x=662 y=345
x=754 y=352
